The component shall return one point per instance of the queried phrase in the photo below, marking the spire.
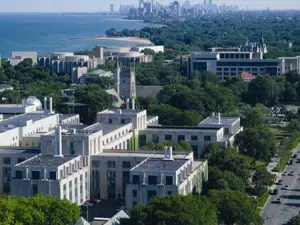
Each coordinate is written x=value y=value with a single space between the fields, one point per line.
x=263 y=45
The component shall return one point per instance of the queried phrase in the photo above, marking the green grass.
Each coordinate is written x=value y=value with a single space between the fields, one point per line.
x=261 y=201
x=279 y=133
x=282 y=164
x=260 y=163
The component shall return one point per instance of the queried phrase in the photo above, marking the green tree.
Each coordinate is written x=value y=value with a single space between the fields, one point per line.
x=96 y=100
x=234 y=208
x=294 y=221
x=263 y=90
x=175 y=210
x=257 y=143
x=262 y=179
x=254 y=117
x=294 y=126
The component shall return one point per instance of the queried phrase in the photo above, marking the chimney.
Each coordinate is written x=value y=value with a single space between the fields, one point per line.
x=45 y=104
x=50 y=105
x=127 y=103
x=133 y=104
x=219 y=118
x=171 y=153
x=58 y=142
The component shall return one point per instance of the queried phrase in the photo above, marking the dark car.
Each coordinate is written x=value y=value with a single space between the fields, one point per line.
x=277 y=201
x=298 y=161
x=275 y=192
x=294 y=156
x=291 y=162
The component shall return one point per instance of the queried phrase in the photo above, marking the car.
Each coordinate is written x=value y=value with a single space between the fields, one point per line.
x=291 y=174
x=277 y=201
x=294 y=156
x=298 y=161
x=87 y=203
x=291 y=162
x=279 y=182
x=286 y=187
x=95 y=201
x=284 y=174
x=275 y=192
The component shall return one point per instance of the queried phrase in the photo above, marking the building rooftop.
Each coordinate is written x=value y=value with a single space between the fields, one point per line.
x=66 y=116
x=105 y=127
x=152 y=164
x=21 y=120
x=47 y=160
x=213 y=120
x=142 y=153
x=121 y=111
x=19 y=150
x=183 y=128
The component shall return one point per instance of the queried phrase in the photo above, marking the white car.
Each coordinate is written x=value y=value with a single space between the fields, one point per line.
x=286 y=187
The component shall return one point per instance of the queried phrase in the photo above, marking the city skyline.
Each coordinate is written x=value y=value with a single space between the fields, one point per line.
x=95 y=6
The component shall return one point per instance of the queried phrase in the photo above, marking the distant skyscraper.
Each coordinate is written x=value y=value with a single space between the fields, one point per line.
x=111 y=8
x=141 y=3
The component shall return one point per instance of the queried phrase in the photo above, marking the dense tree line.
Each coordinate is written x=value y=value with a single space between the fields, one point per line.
x=228 y=30
x=37 y=210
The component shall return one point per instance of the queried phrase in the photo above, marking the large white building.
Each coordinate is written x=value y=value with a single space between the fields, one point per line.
x=17 y=57
x=55 y=154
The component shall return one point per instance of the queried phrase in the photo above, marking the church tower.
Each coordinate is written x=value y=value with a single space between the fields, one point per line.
x=263 y=46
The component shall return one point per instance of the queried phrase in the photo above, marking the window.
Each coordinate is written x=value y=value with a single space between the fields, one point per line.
x=136 y=179
x=169 y=192
x=152 y=180
x=95 y=163
x=126 y=164
x=181 y=138
x=72 y=148
x=19 y=174
x=151 y=194
x=226 y=69
x=142 y=140
x=169 y=180
x=123 y=121
x=194 y=138
x=6 y=161
x=226 y=131
x=155 y=138
x=111 y=164
x=34 y=189
x=52 y=175
x=134 y=193
x=168 y=137
x=35 y=175
x=20 y=160
x=110 y=120
x=207 y=138
x=200 y=66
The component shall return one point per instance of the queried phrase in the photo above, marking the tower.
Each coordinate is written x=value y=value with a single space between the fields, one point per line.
x=117 y=74
x=263 y=46
x=132 y=82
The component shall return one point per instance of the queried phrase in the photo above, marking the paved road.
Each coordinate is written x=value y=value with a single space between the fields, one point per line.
x=278 y=214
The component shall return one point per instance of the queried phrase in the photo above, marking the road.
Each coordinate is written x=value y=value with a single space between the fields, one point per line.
x=278 y=214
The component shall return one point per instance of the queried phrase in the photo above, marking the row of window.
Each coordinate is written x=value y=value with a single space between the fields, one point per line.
x=168 y=137
x=35 y=175
x=262 y=69
x=7 y=160
x=115 y=136
x=153 y=180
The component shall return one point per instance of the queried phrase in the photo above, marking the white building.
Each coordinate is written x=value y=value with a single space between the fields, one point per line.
x=164 y=176
x=96 y=73
x=17 y=57
x=230 y=64
x=156 y=49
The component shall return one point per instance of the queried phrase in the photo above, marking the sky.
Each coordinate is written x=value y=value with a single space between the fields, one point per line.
x=101 y=5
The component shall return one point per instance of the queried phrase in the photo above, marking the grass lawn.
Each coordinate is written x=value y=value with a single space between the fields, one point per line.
x=282 y=164
x=261 y=201
x=260 y=163
x=279 y=133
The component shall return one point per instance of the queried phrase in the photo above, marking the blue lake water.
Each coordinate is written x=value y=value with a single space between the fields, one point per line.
x=46 y=33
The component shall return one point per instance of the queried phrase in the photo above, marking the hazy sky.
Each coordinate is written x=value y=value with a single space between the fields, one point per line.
x=97 y=5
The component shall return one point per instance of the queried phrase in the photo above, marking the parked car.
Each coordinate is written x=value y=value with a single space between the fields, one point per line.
x=286 y=187
x=294 y=156
x=275 y=192
x=291 y=162
x=277 y=201
x=298 y=161
x=87 y=203
x=284 y=173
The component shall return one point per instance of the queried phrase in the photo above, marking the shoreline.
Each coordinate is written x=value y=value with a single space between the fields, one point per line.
x=127 y=39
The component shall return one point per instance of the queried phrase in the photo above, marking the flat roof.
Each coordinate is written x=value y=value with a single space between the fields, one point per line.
x=214 y=120
x=47 y=160
x=15 y=106
x=141 y=153
x=121 y=111
x=105 y=127
x=183 y=128
x=20 y=121
x=19 y=150
x=66 y=116
x=160 y=165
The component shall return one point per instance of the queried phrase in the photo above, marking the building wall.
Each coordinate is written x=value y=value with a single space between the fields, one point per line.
x=8 y=161
x=10 y=137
